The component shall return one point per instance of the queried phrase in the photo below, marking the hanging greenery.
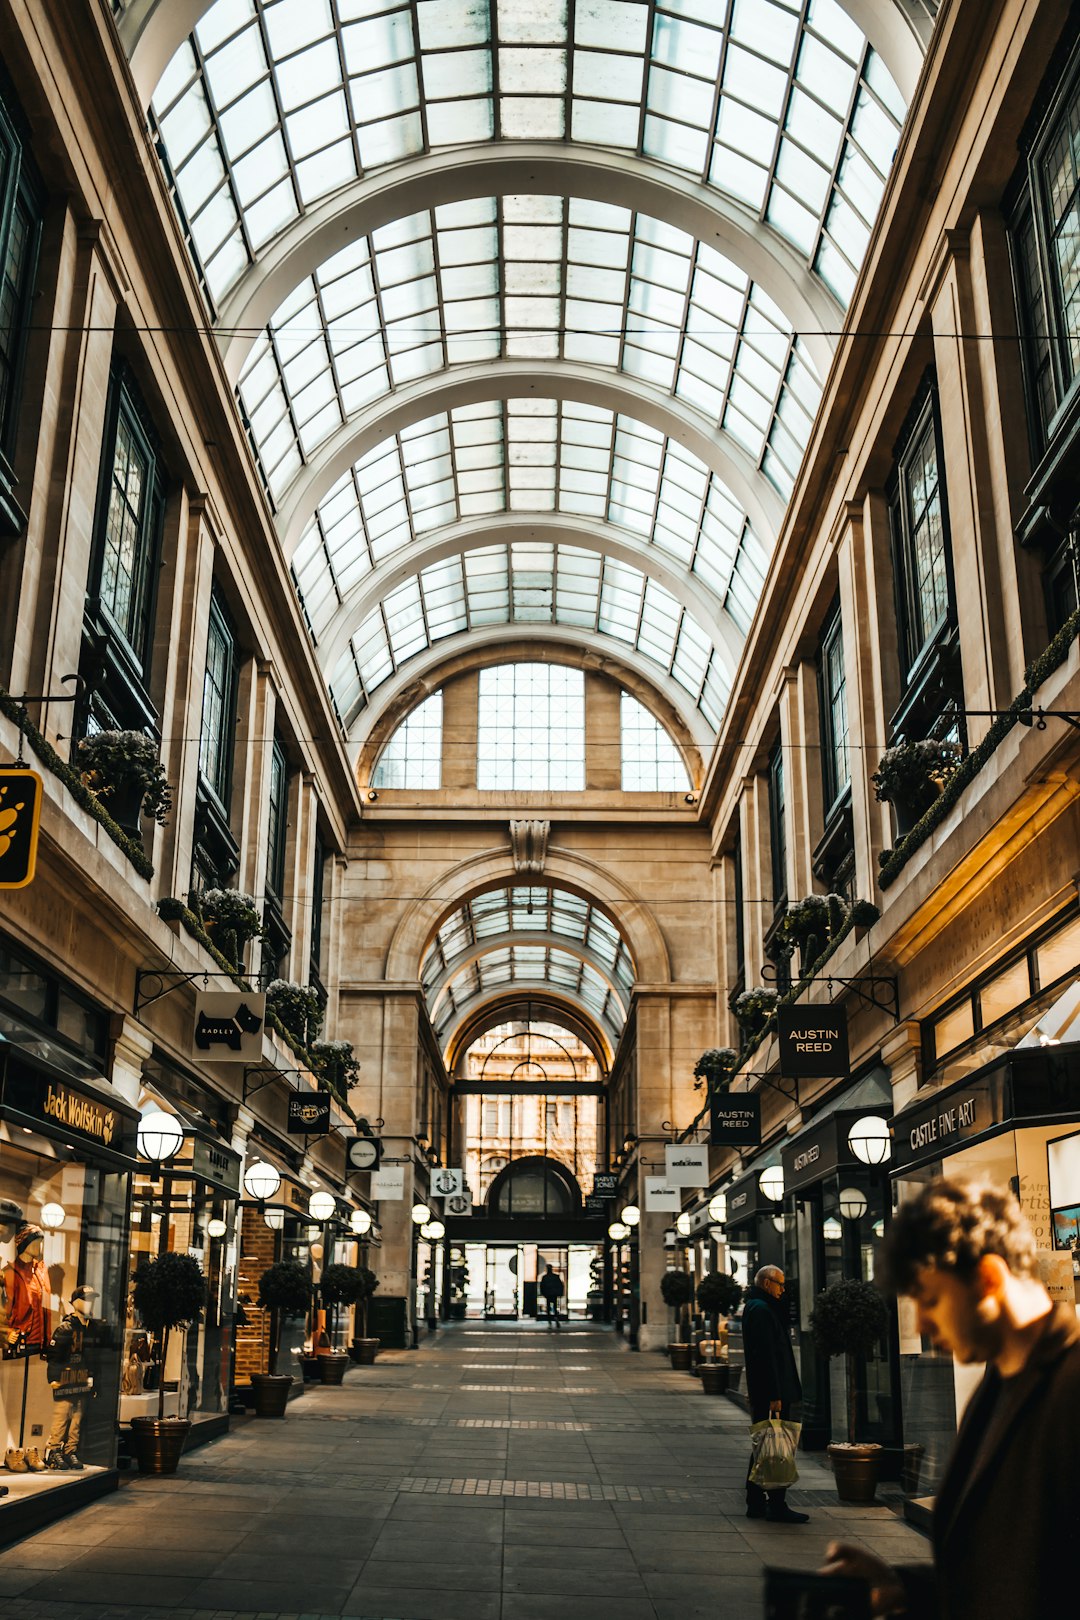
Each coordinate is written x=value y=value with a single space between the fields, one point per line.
x=714 y=1067
x=111 y=761
x=336 y=1065
x=298 y=1006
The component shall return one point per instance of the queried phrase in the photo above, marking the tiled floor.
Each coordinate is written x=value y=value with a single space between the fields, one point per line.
x=413 y=1493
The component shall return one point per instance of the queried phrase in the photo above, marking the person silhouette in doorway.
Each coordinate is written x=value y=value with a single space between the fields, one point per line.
x=552 y=1290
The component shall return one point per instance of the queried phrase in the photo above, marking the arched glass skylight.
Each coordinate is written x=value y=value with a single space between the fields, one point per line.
x=413 y=756
x=530 y=733
x=526 y=909
x=529 y=964
x=274 y=104
x=651 y=763
x=530 y=583
x=537 y=278
x=527 y=456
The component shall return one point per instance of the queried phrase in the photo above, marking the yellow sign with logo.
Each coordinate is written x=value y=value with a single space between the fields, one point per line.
x=20 y=814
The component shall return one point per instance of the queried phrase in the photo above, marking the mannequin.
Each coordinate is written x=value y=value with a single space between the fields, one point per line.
x=71 y=1379
x=11 y=1220
x=26 y=1290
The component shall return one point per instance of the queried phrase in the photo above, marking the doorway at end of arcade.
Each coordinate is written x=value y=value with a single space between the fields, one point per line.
x=501 y=1281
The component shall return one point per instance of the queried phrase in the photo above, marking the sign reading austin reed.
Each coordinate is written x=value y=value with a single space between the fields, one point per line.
x=735 y=1121
x=813 y=1042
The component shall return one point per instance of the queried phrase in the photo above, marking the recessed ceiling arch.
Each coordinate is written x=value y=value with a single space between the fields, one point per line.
x=540 y=1010
x=532 y=959
x=514 y=643
x=539 y=991
x=562 y=381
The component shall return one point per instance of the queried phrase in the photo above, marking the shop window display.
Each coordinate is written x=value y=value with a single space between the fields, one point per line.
x=61 y=1280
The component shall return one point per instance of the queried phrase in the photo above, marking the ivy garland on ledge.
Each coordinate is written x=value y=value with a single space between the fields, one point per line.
x=171 y=909
x=892 y=861
x=75 y=785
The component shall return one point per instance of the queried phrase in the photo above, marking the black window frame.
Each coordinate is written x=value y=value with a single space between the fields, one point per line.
x=917 y=639
x=21 y=189
x=740 y=920
x=277 y=821
x=318 y=889
x=220 y=626
x=832 y=641
x=778 y=825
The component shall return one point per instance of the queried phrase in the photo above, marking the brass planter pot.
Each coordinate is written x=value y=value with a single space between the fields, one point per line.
x=363 y=1351
x=714 y=1378
x=157 y=1443
x=271 y=1394
x=332 y=1366
x=681 y=1357
x=856 y=1469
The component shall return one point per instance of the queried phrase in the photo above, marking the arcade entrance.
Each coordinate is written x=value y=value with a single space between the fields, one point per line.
x=501 y=1279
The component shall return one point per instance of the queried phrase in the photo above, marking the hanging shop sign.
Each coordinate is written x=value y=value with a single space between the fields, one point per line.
x=604 y=1185
x=686 y=1165
x=944 y=1122
x=458 y=1204
x=216 y=1163
x=362 y=1153
x=309 y=1113
x=67 y=1109
x=20 y=817
x=228 y=1026
x=594 y=1205
x=813 y=1042
x=735 y=1119
x=447 y=1183
x=389 y=1182
x=659 y=1196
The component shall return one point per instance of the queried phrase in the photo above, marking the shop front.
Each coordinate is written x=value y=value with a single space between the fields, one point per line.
x=67 y=1149
x=275 y=1224
x=835 y=1207
x=187 y=1205
x=996 y=1124
x=754 y=1230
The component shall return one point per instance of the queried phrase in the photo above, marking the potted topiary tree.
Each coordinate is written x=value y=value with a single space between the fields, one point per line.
x=169 y=1293
x=677 y=1291
x=122 y=769
x=284 y=1291
x=718 y=1294
x=339 y=1285
x=849 y=1319
x=364 y=1349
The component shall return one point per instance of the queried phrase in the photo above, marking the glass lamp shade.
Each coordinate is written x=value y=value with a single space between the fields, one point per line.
x=321 y=1205
x=870 y=1139
x=631 y=1215
x=435 y=1230
x=216 y=1228
x=421 y=1214
x=159 y=1136
x=617 y=1231
x=718 y=1208
x=261 y=1181
x=682 y=1225
x=360 y=1221
x=52 y=1216
x=832 y=1230
x=771 y=1182
x=425 y=1230
x=852 y=1203
x=274 y=1219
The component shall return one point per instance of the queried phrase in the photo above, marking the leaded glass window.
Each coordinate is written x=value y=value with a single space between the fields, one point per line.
x=651 y=762
x=413 y=756
x=834 y=713
x=131 y=505
x=920 y=535
x=531 y=729
x=216 y=743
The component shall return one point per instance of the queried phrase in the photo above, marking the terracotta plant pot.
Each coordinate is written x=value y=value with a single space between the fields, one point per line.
x=681 y=1357
x=856 y=1469
x=714 y=1378
x=157 y=1443
x=364 y=1351
x=271 y=1393
x=332 y=1365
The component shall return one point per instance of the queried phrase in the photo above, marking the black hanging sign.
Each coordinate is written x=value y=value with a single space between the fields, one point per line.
x=604 y=1185
x=735 y=1119
x=309 y=1113
x=813 y=1042
x=594 y=1205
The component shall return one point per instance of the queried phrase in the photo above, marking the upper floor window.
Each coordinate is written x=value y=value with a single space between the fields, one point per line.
x=651 y=763
x=318 y=880
x=130 y=507
x=834 y=716
x=740 y=922
x=277 y=821
x=778 y=825
x=219 y=702
x=920 y=535
x=413 y=756
x=21 y=207
x=531 y=731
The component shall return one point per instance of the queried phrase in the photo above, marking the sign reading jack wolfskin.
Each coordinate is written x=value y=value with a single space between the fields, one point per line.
x=813 y=1042
x=20 y=813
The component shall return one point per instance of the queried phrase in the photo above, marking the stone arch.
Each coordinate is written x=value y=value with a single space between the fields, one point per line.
x=495 y=942
x=495 y=869
x=477 y=1020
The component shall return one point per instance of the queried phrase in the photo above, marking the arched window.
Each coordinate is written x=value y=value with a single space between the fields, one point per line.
x=651 y=763
x=531 y=731
x=413 y=756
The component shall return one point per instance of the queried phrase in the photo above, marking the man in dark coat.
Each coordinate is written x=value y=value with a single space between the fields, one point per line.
x=772 y=1380
x=1006 y=1528
x=551 y=1289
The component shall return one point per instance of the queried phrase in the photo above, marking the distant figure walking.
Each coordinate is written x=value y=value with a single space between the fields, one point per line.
x=772 y=1380
x=552 y=1289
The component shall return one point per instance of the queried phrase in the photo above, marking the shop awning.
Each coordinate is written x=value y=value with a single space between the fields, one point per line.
x=85 y=1113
